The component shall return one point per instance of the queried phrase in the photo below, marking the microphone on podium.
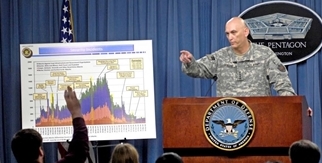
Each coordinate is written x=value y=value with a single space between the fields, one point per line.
x=213 y=82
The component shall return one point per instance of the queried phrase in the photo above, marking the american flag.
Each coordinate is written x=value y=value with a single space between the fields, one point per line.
x=66 y=35
x=66 y=27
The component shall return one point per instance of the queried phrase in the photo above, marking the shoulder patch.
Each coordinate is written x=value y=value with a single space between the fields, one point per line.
x=281 y=68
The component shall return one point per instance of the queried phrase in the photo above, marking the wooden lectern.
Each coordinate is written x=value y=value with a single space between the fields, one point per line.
x=279 y=122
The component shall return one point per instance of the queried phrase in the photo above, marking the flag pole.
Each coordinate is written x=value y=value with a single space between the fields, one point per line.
x=71 y=19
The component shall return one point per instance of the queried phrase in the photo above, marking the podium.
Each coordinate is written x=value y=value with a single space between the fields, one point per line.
x=280 y=120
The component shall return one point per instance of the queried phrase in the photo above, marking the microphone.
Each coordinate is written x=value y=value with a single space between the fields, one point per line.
x=215 y=77
x=213 y=82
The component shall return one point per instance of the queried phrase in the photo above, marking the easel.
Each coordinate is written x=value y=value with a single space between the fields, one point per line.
x=96 y=147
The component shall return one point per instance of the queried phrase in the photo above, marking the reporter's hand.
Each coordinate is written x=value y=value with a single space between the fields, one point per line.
x=185 y=56
x=72 y=102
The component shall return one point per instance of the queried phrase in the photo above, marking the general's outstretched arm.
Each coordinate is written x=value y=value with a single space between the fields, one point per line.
x=205 y=67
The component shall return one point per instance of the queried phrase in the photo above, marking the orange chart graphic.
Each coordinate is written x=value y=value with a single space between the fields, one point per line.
x=97 y=105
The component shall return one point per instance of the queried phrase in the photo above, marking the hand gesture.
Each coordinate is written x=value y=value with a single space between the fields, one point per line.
x=72 y=102
x=185 y=56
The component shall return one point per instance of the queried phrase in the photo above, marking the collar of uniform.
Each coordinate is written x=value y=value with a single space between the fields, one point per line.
x=246 y=57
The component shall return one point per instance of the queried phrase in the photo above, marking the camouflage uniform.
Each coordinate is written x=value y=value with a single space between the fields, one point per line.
x=249 y=75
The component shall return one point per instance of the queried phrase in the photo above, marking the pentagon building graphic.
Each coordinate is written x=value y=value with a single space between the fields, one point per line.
x=278 y=26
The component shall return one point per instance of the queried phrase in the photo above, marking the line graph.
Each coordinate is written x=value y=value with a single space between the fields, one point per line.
x=115 y=88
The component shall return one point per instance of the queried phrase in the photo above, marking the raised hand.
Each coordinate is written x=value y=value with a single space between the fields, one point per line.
x=72 y=102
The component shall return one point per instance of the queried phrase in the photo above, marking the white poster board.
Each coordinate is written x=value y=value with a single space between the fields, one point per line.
x=113 y=81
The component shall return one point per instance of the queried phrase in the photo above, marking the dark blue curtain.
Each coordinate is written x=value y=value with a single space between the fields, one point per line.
x=173 y=25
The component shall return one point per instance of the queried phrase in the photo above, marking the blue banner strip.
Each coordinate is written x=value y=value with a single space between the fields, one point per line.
x=97 y=49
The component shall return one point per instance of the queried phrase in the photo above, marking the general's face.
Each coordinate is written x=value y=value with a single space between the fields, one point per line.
x=236 y=33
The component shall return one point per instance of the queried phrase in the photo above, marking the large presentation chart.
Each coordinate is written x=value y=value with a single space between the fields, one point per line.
x=112 y=80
